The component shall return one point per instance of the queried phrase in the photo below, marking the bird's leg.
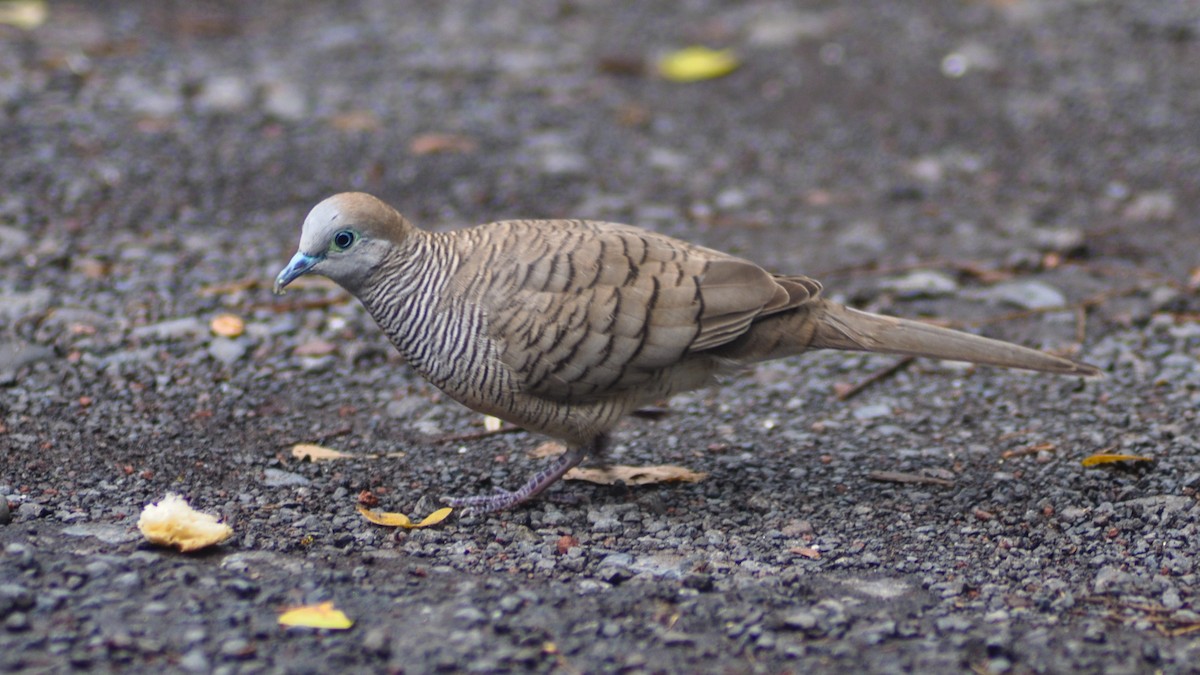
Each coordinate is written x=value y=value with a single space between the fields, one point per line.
x=537 y=482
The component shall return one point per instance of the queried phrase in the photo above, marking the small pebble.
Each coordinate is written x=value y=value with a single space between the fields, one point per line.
x=17 y=622
x=872 y=411
x=30 y=510
x=195 y=661
x=174 y=329
x=921 y=284
x=281 y=478
x=1027 y=294
x=237 y=648
x=14 y=306
x=12 y=242
x=802 y=620
x=226 y=350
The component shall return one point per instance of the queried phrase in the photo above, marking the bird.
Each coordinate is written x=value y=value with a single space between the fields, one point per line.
x=563 y=327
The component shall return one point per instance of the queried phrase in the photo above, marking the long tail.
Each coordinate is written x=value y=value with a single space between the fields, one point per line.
x=839 y=327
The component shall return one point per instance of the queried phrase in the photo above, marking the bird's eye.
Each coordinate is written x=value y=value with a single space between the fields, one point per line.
x=344 y=239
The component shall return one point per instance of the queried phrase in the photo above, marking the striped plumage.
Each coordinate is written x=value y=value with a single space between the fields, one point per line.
x=565 y=326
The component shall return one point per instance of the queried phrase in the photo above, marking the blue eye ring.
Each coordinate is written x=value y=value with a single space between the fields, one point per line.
x=343 y=239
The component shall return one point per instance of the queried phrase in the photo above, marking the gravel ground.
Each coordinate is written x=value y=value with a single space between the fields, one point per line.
x=967 y=160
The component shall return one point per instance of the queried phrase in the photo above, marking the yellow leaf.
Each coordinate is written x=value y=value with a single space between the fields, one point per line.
x=635 y=475
x=400 y=520
x=1105 y=458
x=492 y=423
x=316 y=453
x=435 y=517
x=24 y=14
x=694 y=64
x=227 y=325
x=316 y=616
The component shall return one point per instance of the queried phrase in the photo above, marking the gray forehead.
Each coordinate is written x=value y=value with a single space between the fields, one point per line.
x=320 y=224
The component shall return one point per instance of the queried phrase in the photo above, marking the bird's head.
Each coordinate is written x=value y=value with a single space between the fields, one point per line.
x=345 y=238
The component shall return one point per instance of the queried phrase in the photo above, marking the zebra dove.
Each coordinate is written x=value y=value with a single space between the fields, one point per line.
x=564 y=326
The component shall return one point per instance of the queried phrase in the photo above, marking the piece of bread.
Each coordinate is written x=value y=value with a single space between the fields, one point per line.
x=171 y=522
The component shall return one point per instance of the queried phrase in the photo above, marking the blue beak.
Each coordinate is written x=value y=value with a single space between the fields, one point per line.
x=300 y=264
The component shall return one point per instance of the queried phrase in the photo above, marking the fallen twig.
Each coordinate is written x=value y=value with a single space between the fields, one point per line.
x=877 y=376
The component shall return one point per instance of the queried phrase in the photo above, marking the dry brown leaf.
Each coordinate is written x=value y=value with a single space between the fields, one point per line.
x=355 y=120
x=428 y=144
x=1030 y=450
x=316 y=453
x=633 y=115
x=315 y=347
x=400 y=520
x=172 y=522
x=1194 y=279
x=635 y=475
x=316 y=616
x=810 y=553
x=547 y=449
x=1108 y=458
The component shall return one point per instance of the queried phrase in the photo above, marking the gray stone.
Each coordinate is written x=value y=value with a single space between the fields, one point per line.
x=13 y=242
x=280 y=478
x=285 y=101
x=16 y=355
x=224 y=93
x=227 y=350
x=873 y=411
x=195 y=661
x=172 y=329
x=32 y=510
x=1167 y=503
x=921 y=284
x=953 y=624
x=1151 y=206
x=786 y=27
x=405 y=408
x=1110 y=578
x=14 y=306
x=111 y=534
x=148 y=99
x=1026 y=294
x=469 y=617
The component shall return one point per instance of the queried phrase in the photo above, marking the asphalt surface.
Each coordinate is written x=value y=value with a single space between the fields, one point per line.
x=986 y=162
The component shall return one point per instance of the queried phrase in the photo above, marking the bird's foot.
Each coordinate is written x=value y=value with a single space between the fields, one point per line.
x=534 y=486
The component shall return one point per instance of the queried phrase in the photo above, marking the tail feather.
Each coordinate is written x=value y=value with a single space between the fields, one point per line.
x=841 y=327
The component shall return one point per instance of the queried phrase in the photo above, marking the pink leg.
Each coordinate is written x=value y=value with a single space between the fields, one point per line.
x=536 y=484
